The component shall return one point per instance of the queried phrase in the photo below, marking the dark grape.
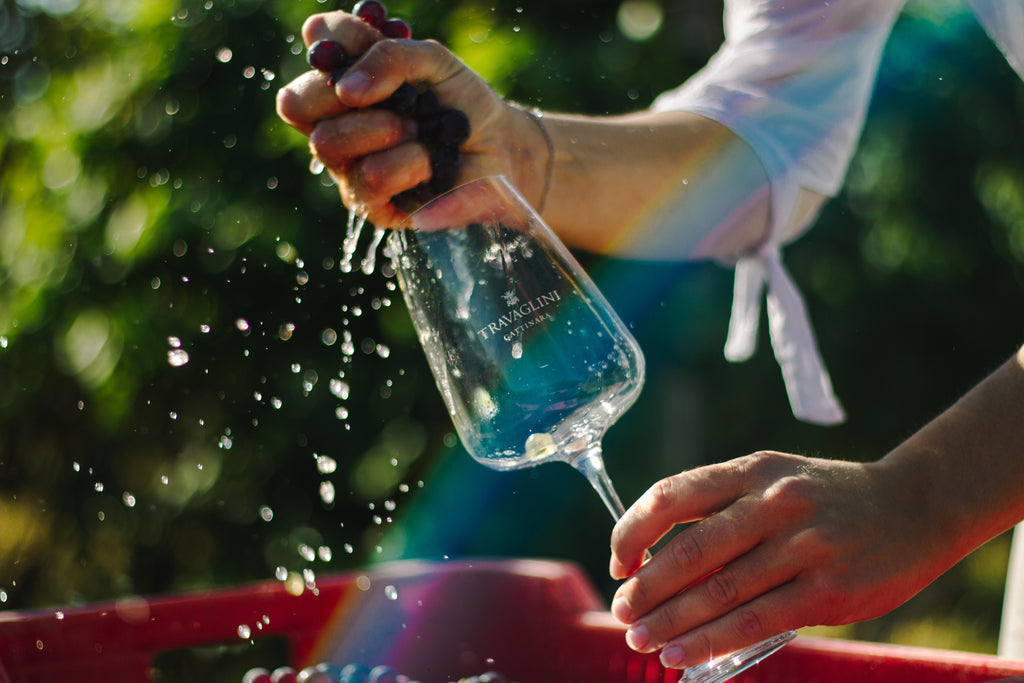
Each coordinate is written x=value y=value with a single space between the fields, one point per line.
x=396 y=28
x=429 y=129
x=426 y=105
x=402 y=101
x=372 y=12
x=326 y=55
x=413 y=198
x=444 y=168
x=453 y=128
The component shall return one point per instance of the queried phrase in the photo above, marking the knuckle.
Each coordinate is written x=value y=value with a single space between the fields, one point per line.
x=287 y=102
x=665 y=623
x=661 y=496
x=313 y=27
x=699 y=648
x=749 y=625
x=685 y=552
x=720 y=588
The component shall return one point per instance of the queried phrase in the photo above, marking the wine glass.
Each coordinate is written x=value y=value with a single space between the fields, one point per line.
x=533 y=363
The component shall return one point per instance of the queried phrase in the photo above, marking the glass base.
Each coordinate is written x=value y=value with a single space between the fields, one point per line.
x=725 y=667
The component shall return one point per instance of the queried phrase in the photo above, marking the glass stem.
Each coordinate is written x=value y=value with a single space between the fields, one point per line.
x=591 y=464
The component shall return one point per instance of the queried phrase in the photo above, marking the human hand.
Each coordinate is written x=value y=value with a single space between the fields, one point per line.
x=373 y=154
x=782 y=542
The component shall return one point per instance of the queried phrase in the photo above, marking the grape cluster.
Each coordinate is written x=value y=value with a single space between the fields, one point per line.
x=442 y=131
x=327 y=672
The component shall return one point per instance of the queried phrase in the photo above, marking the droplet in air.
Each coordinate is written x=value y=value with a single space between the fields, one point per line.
x=177 y=357
x=339 y=388
x=327 y=492
x=391 y=592
x=326 y=464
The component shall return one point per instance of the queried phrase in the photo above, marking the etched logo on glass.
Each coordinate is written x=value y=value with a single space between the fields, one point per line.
x=520 y=316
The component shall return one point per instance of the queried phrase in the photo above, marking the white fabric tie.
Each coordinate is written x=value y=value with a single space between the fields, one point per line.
x=807 y=382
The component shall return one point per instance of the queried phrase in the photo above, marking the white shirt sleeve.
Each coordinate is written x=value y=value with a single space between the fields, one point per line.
x=793 y=80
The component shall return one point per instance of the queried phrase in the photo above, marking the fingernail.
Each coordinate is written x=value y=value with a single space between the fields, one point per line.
x=355 y=83
x=673 y=657
x=620 y=609
x=615 y=568
x=637 y=637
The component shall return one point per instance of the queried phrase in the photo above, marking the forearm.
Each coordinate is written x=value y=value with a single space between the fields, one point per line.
x=968 y=463
x=661 y=185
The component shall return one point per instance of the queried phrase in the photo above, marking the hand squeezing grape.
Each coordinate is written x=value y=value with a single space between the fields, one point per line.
x=442 y=131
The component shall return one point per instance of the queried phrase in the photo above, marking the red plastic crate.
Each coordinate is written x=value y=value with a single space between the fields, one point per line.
x=537 y=621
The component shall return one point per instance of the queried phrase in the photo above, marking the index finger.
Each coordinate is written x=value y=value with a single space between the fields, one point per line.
x=681 y=498
x=354 y=34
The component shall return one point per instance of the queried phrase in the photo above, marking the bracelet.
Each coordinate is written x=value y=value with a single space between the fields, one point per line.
x=537 y=116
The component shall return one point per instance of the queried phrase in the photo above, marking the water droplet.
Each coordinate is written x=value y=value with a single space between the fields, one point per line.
x=294 y=584
x=348 y=548
x=244 y=632
x=324 y=553
x=281 y=573
x=242 y=325
x=307 y=553
x=266 y=514
x=328 y=337
x=517 y=350
x=391 y=592
x=341 y=412
x=177 y=357
x=128 y=499
x=98 y=486
x=327 y=492
x=339 y=388
x=326 y=464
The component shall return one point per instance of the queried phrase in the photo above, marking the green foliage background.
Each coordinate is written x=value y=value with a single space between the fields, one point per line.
x=152 y=203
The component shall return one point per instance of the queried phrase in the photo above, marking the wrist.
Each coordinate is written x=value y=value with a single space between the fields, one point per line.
x=533 y=156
